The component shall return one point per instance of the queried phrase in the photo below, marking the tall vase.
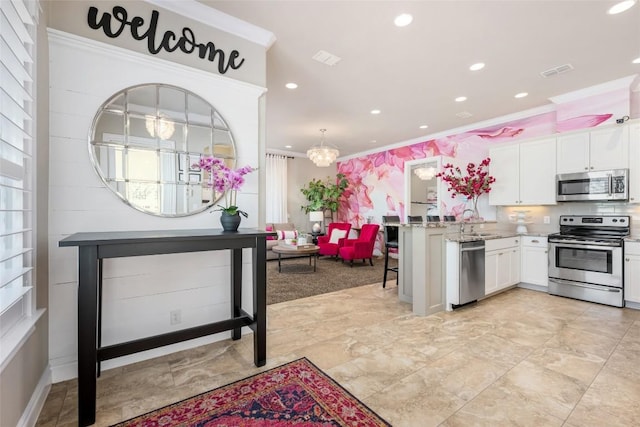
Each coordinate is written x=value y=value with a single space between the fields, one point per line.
x=230 y=222
x=475 y=213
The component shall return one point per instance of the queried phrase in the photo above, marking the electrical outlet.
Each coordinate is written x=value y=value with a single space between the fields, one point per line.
x=175 y=317
x=546 y=220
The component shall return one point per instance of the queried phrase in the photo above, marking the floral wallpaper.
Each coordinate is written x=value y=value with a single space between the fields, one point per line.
x=377 y=180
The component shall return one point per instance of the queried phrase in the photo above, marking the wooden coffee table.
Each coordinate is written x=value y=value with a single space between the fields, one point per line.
x=311 y=251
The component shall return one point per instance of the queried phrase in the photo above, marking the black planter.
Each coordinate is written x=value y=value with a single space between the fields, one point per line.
x=230 y=222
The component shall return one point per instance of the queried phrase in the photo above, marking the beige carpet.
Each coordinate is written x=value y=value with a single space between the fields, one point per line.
x=297 y=279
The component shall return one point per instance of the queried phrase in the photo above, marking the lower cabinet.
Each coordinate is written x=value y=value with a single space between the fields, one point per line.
x=632 y=272
x=535 y=261
x=502 y=264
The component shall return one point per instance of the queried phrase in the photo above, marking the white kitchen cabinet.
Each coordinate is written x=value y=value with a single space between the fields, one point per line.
x=593 y=150
x=502 y=264
x=525 y=173
x=534 y=261
x=632 y=272
x=634 y=163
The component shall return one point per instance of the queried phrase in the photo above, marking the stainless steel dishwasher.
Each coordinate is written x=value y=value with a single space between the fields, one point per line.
x=471 y=271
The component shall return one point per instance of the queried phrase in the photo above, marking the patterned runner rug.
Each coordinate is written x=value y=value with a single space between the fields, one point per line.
x=297 y=393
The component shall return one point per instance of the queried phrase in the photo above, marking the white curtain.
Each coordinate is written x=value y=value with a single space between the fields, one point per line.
x=276 y=171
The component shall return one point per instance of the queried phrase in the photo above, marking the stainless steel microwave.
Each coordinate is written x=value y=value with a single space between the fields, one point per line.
x=608 y=185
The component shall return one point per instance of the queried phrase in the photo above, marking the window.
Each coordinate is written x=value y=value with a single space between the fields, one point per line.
x=17 y=175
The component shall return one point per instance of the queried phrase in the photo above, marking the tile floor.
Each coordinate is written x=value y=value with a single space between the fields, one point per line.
x=519 y=358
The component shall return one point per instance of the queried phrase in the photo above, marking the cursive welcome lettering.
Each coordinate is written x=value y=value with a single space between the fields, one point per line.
x=115 y=23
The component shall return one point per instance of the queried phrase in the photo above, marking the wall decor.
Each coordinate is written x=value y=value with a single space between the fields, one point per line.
x=113 y=24
x=146 y=142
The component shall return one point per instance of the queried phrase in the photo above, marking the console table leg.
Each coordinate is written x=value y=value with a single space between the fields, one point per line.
x=87 y=334
x=260 y=302
x=236 y=289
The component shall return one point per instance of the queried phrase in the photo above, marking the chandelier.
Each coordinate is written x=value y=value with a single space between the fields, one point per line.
x=425 y=173
x=162 y=123
x=323 y=155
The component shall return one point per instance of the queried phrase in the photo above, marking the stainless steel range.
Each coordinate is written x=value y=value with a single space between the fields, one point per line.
x=586 y=258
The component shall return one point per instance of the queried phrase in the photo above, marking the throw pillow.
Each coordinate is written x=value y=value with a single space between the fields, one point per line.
x=287 y=234
x=270 y=228
x=336 y=235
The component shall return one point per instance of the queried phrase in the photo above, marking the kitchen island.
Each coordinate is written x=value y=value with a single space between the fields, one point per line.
x=421 y=264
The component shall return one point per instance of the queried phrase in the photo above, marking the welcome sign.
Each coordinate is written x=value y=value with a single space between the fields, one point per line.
x=115 y=23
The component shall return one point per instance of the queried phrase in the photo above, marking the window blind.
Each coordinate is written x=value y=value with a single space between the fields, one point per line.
x=17 y=174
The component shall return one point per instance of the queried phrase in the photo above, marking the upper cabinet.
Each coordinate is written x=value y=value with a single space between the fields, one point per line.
x=524 y=172
x=600 y=149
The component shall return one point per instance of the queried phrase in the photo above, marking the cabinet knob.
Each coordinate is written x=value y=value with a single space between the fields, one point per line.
x=535 y=241
x=546 y=252
x=586 y=169
x=626 y=259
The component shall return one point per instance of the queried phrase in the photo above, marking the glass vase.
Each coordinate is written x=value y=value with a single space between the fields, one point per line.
x=473 y=207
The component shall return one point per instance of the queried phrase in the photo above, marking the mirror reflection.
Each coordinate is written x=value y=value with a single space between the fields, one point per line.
x=145 y=144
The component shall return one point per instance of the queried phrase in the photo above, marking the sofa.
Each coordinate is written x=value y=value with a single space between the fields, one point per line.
x=271 y=242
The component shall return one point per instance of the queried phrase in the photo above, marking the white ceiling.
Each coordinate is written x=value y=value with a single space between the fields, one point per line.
x=413 y=74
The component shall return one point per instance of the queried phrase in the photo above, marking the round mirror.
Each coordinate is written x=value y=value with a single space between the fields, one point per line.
x=145 y=144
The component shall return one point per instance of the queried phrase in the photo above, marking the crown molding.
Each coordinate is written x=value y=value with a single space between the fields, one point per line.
x=219 y=20
x=455 y=131
x=623 y=83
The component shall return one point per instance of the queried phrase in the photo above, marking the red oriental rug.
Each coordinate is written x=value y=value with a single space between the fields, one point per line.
x=295 y=394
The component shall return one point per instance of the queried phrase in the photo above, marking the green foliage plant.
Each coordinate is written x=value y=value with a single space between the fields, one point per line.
x=324 y=195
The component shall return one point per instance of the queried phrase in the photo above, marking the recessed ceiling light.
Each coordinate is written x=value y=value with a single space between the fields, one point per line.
x=461 y=98
x=291 y=85
x=373 y=141
x=521 y=95
x=403 y=20
x=621 y=7
x=636 y=61
x=477 y=66
x=287 y=146
x=424 y=126
x=375 y=111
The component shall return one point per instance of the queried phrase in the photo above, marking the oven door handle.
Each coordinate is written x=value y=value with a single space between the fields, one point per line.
x=582 y=285
x=575 y=244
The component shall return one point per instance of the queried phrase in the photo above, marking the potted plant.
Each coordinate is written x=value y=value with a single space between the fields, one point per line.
x=226 y=181
x=471 y=185
x=324 y=195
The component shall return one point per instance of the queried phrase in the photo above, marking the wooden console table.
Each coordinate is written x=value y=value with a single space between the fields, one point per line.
x=94 y=247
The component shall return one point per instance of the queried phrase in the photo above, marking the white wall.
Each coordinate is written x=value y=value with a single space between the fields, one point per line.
x=300 y=171
x=139 y=292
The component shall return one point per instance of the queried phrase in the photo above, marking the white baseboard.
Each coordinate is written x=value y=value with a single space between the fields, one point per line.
x=631 y=304
x=69 y=371
x=36 y=403
x=533 y=287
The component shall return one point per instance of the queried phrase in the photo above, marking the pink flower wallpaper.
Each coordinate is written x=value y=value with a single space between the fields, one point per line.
x=377 y=180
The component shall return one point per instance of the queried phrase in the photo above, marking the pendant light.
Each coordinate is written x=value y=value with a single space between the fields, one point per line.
x=323 y=155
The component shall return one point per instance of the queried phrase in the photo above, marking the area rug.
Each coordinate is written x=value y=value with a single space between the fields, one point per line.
x=295 y=394
x=298 y=280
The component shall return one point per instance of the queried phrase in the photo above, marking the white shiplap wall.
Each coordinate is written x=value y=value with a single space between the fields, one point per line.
x=139 y=292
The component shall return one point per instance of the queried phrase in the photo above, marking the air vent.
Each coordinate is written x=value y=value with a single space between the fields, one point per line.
x=464 y=114
x=557 y=70
x=326 y=58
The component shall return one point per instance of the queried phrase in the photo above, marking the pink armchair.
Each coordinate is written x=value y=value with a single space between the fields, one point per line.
x=337 y=233
x=362 y=247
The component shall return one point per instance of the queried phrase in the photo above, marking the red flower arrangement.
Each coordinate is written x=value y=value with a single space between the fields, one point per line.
x=476 y=182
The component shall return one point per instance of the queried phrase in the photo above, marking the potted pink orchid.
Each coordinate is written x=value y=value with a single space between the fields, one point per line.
x=228 y=181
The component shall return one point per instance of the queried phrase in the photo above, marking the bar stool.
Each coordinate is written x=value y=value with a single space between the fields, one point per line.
x=390 y=241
